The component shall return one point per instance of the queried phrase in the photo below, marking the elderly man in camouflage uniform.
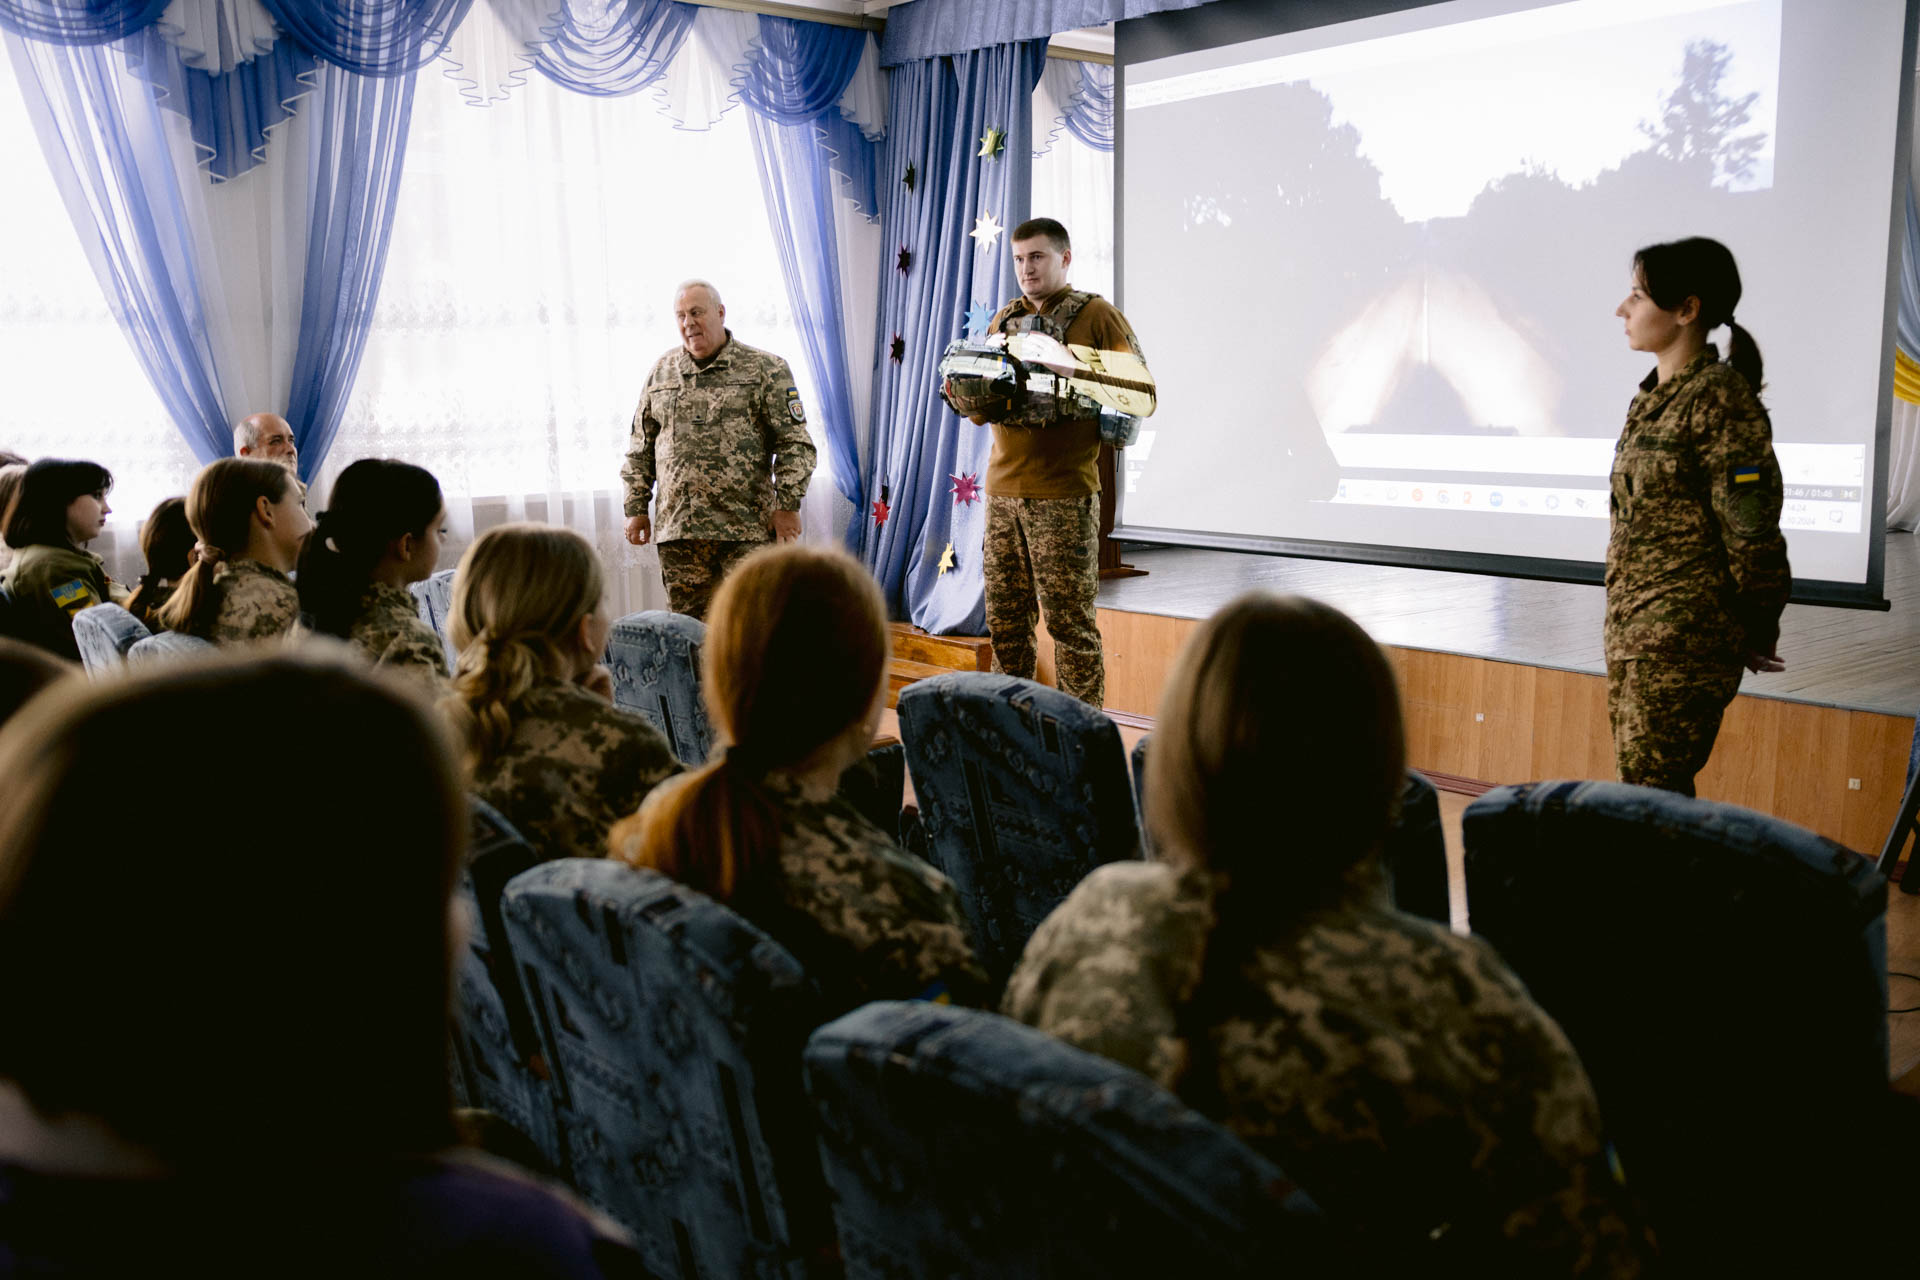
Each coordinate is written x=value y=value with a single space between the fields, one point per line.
x=721 y=427
x=1697 y=571
x=1042 y=549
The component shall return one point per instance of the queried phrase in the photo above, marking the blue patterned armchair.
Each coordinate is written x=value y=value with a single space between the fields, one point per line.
x=1023 y=790
x=165 y=647
x=434 y=595
x=1723 y=975
x=961 y=1143
x=496 y=1048
x=104 y=635
x=655 y=658
x=673 y=1031
x=1415 y=853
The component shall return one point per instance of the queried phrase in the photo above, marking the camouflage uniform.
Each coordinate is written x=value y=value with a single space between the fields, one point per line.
x=389 y=630
x=1042 y=551
x=575 y=765
x=869 y=921
x=727 y=440
x=1398 y=1070
x=51 y=585
x=255 y=602
x=1697 y=569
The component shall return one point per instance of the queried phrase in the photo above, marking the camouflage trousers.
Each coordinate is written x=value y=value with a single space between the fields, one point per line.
x=1666 y=713
x=692 y=569
x=1043 y=556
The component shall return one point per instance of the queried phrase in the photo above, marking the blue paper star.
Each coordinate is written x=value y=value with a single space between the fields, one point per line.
x=979 y=316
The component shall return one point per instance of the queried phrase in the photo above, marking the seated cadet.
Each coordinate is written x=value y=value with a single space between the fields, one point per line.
x=250 y=522
x=794 y=671
x=231 y=1065
x=166 y=541
x=1398 y=1070
x=59 y=507
x=381 y=531
x=531 y=703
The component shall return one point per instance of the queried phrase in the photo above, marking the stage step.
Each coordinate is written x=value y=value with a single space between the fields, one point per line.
x=901 y=673
x=951 y=653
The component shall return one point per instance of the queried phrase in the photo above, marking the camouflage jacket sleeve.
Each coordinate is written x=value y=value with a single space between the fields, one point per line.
x=1743 y=475
x=1108 y=970
x=875 y=922
x=256 y=603
x=784 y=420
x=637 y=472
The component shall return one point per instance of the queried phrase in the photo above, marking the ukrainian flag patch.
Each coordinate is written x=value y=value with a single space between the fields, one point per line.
x=1746 y=475
x=72 y=596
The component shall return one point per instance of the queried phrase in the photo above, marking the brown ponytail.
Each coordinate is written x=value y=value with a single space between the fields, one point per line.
x=518 y=598
x=220 y=510
x=796 y=653
x=1744 y=355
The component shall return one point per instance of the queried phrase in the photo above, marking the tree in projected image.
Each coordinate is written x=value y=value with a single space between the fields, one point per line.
x=1514 y=245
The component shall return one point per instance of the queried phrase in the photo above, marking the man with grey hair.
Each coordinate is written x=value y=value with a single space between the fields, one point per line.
x=268 y=438
x=721 y=430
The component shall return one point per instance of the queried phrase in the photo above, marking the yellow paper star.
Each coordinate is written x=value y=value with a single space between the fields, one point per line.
x=993 y=142
x=946 y=559
x=985 y=231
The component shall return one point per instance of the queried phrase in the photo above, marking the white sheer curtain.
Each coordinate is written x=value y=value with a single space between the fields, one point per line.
x=1072 y=182
x=529 y=290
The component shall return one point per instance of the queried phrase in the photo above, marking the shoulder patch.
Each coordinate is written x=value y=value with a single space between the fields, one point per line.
x=72 y=596
x=794 y=406
x=1746 y=475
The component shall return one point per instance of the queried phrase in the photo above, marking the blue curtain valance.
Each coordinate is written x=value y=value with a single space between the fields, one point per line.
x=936 y=28
x=89 y=22
x=371 y=37
x=616 y=50
x=802 y=70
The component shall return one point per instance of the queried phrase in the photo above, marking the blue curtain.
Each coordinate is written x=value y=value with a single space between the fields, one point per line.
x=109 y=153
x=356 y=158
x=932 y=28
x=793 y=86
x=108 y=156
x=940 y=110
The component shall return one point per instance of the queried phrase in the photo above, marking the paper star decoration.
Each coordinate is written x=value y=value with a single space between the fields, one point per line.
x=898 y=351
x=880 y=512
x=993 y=142
x=979 y=316
x=911 y=176
x=946 y=560
x=905 y=260
x=985 y=231
x=966 y=488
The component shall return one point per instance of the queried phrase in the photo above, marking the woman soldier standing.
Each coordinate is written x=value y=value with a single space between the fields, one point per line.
x=1697 y=569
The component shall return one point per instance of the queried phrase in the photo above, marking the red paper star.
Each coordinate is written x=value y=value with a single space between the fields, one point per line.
x=898 y=352
x=880 y=511
x=905 y=260
x=966 y=488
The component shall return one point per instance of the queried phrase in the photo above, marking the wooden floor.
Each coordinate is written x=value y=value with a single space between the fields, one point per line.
x=1862 y=660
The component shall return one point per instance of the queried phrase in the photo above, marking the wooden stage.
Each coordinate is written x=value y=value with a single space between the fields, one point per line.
x=1502 y=678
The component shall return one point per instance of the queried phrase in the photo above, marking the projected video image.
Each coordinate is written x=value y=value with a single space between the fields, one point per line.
x=1416 y=241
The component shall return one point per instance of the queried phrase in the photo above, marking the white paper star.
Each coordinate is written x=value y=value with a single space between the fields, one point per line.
x=985 y=231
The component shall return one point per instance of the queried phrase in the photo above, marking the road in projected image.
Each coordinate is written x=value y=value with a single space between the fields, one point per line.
x=1377 y=278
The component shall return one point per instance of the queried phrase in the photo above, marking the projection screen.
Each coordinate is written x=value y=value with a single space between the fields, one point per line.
x=1374 y=265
